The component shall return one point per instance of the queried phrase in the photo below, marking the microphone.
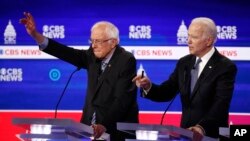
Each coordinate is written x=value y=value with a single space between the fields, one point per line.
x=162 y=117
x=184 y=81
x=77 y=69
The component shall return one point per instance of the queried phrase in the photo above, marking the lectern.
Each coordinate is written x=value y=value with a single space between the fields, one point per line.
x=151 y=132
x=50 y=129
x=224 y=133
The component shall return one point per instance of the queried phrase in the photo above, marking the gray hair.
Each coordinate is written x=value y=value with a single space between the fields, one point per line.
x=210 y=27
x=110 y=29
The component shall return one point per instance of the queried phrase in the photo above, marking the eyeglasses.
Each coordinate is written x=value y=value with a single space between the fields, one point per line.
x=98 y=41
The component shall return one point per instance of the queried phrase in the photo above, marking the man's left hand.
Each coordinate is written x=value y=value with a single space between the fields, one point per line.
x=98 y=130
x=198 y=132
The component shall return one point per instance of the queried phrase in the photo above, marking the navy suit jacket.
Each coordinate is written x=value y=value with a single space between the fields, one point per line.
x=210 y=101
x=112 y=95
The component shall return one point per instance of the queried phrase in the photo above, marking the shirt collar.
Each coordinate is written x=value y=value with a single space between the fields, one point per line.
x=108 y=57
x=207 y=56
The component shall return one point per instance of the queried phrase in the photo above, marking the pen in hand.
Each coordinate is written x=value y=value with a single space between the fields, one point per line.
x=142 y=74
x=141 y=89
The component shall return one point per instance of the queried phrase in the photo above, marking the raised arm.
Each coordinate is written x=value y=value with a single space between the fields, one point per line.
x=30 y=26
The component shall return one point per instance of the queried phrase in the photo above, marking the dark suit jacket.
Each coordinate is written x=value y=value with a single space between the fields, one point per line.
x=211 y=97
x=112 y=95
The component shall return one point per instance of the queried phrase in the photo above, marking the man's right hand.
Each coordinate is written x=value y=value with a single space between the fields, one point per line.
x=142 y=82
x=30 y=26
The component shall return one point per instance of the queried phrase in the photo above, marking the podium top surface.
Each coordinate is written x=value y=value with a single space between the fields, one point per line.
x=54 y=128
x=54 y=123
x=161 y=131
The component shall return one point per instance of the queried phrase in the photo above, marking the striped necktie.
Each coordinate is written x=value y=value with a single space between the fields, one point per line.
x=93 y=120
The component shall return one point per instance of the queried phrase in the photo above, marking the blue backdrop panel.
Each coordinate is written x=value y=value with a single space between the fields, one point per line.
x=163 y=17
x=39 y=89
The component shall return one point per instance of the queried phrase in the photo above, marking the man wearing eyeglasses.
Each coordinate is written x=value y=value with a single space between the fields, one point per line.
x=111 y=95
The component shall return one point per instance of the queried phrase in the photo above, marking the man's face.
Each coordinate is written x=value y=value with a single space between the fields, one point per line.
x=198 y=43
x=101 y=43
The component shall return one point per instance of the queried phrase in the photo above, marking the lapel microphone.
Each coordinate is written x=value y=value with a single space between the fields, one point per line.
x=77 y=69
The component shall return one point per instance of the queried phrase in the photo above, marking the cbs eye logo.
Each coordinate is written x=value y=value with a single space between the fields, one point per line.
x=54 y=74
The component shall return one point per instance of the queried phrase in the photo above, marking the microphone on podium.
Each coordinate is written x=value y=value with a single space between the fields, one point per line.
x=77 y=69
x=184 y=81
x=162 y=117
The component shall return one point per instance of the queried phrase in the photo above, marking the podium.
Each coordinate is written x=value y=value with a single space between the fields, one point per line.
x=149 y=132
x=50 y=129
x=224 y=133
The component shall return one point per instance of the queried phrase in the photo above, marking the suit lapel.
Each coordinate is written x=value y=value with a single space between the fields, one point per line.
x=187 y=82
x=103 y=75
x=107 y=70
x=211 y=64
x=97 y=70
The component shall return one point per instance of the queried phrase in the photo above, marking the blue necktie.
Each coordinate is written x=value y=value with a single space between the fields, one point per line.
x=194 y=74
x=103 y=66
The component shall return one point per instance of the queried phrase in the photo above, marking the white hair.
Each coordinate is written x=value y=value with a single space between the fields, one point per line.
x=210 y=27
x=110 y=29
